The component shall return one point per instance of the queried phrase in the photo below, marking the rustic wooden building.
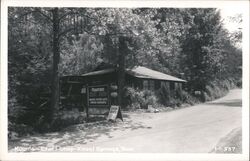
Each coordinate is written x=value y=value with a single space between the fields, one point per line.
x=98 y=85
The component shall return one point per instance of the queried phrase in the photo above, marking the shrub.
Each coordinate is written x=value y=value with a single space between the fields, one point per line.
x=18 y=130
x=217 y=89
x=188 y=98
x=16 y=127
x=15 y=111
x=164 y=95
x=168 y=98
x=239 y=83
x=37 y=117
x=151 y=100
x=66 y=118
x=173 y=102
x=139 y=98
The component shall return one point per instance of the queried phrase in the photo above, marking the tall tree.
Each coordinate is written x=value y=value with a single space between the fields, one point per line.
x=40 y=25
x=201 y=48
x=120 y=28
x=29 y=61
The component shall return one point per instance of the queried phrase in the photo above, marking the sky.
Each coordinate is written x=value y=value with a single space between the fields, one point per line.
x=226 y=13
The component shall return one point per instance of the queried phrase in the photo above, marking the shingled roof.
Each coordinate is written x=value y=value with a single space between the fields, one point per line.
x=143 y=72
x=140 y=72
x=99 y=72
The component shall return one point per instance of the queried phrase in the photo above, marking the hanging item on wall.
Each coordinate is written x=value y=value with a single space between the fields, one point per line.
x=83 y=90
x=113 y=88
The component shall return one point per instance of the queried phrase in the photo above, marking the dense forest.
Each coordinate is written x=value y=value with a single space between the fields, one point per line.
x=46 y=43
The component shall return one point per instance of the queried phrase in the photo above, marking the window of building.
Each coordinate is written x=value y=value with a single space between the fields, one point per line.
x=166 y=84
x=145 y=84
x=157 y=84
x=162 y=83
x=151 y=85
x=172 y=86
x=148 y=85
x=178 y=86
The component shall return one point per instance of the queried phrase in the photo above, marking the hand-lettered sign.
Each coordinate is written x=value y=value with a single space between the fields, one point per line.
x=115 y=112
x=98 y=95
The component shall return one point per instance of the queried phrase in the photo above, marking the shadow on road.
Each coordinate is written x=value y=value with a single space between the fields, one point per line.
x=231 y=103
x=77 y=134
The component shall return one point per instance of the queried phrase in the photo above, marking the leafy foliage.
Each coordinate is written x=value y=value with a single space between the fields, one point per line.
x=140 y=98
x=79 y=55
x=203 y=49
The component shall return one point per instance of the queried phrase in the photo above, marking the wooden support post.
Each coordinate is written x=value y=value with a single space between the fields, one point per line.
x=87 y=107
x=56 y=59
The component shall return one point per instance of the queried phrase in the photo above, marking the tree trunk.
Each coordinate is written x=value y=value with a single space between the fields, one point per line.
x=121 y=69
x=56 y=57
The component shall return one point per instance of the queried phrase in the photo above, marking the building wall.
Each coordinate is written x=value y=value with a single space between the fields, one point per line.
x=72 y=87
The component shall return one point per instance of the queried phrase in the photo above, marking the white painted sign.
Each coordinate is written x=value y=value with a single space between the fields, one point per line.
x=114 y=112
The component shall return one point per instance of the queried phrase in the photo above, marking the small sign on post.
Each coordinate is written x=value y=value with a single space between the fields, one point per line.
x=115 y=112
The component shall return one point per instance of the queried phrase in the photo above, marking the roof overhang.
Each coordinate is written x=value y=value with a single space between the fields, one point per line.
x=138 y=72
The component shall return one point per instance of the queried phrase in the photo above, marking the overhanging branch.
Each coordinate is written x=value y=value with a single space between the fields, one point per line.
x=36 y=11
x=44 y=15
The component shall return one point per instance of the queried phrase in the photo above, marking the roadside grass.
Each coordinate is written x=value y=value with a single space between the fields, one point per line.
x=231 y=143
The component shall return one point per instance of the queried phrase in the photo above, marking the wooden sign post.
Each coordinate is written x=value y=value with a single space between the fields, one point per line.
x=115 y=112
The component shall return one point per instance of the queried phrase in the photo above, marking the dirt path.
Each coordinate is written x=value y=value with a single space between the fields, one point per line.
x=194 y=129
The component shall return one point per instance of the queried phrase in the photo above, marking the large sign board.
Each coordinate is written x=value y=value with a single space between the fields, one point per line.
x=98 y=95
